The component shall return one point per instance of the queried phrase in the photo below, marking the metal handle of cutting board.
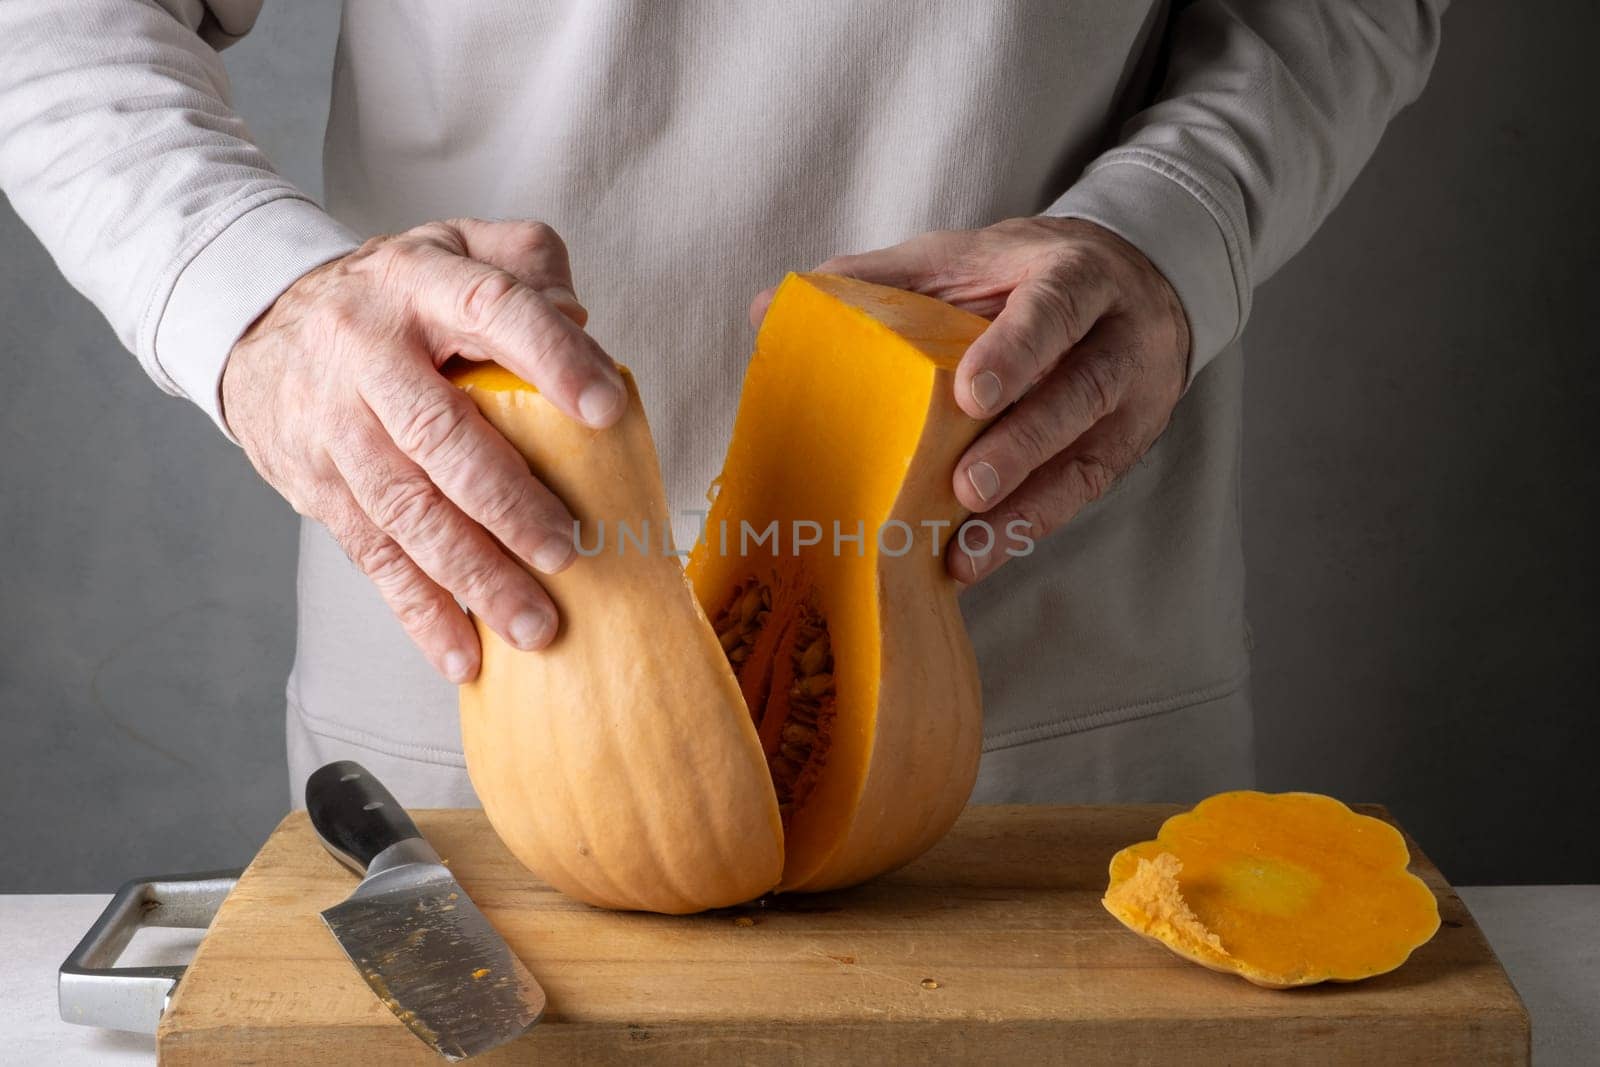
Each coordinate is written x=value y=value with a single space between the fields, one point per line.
x=93 y=991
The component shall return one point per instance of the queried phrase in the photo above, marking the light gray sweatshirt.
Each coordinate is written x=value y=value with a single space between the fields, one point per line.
x=691 y=152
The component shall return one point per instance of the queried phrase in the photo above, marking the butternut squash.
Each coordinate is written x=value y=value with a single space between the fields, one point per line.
x=1285 y=889
x=798 y=708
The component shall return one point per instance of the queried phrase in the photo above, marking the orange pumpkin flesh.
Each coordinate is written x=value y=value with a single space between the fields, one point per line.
x=819 y=721
x=848 y=417
x=1284 y=890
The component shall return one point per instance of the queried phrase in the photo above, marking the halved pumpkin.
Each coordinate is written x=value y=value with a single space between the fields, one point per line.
x=1284 y=889
x=807 y=715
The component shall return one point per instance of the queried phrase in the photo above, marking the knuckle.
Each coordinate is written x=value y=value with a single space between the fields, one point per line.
x=478 y=578
x=1096 y=388
x=434 y=429
x=1026 y=343
x=501 y=510
x=1031 y=441
x=1072 y=266
x=1035 y=514
x=396 y=262
x=379 y=558
x=1059 y=305
x=392 y=251
x=484 y=298
x=539 y=238
x=418 y=607
x=339 y=319
x=376 y=246
x=440 y=233
x=312 y=502
x=419 y=610
x=1089 y=477
x=553 y=354
x=407 y=504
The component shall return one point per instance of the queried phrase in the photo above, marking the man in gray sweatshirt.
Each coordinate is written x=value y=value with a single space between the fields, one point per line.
x=1108 y=180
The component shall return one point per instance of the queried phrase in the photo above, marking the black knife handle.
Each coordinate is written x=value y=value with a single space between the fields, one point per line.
x=353 y=813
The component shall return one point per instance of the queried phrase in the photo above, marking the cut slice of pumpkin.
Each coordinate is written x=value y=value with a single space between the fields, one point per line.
x=799 y=708
x=619 y=763
x=1284 y=889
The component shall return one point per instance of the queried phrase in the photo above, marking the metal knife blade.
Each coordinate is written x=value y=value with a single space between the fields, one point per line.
x=418 y=941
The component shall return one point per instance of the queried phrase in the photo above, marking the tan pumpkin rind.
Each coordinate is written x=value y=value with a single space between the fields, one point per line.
x=1285 y=889
x=619 y=763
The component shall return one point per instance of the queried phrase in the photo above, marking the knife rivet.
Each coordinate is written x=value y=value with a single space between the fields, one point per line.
x=372 y=805
x=929 y=983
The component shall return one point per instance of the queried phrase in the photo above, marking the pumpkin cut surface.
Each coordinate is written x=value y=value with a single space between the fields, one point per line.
x=798 y=708
x=1284 y=890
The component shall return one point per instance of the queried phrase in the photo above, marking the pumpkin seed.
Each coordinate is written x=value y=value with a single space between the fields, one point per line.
x=815 y=656
x=749 y=604
x=799 y=733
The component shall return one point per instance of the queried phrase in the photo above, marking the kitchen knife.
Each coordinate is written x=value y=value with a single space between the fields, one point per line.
x=420 y=944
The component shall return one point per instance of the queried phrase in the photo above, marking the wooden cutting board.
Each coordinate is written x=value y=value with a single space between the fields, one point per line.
x=993 y=948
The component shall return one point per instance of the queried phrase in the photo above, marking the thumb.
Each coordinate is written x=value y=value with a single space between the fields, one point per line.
x=532 y=252
x=920 y=264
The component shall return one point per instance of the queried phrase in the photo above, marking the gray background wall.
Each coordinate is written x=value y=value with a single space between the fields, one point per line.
x=1418 y=469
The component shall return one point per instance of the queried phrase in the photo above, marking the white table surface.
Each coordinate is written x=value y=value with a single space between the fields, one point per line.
x=1548 y=937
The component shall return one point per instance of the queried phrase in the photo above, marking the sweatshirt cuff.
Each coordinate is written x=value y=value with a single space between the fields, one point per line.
x=1169 y=216
x=230 y=282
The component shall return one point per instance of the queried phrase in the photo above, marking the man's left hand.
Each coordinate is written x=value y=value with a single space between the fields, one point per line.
x=1084 y=364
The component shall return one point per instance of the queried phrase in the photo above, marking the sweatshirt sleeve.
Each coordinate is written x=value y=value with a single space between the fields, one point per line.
x=120 y=149
x=1269 y=110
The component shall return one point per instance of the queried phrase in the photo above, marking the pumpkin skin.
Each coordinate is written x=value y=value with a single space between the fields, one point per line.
x=630 y=764
x=1285 y=889
x=618 y=763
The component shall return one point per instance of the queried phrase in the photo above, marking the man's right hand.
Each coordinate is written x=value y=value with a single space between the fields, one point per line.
x=336 y=396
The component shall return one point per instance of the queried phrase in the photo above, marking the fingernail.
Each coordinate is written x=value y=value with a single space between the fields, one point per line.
x=980 y=550
x=529 y=629
x=599 y=404
x=457 y=666
x=553 y=555
x=975 y=551
x=986 y=389
x=985 y=482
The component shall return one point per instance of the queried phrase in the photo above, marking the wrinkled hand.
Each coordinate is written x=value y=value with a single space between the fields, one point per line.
x=1089 y=349
x=336 y=396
